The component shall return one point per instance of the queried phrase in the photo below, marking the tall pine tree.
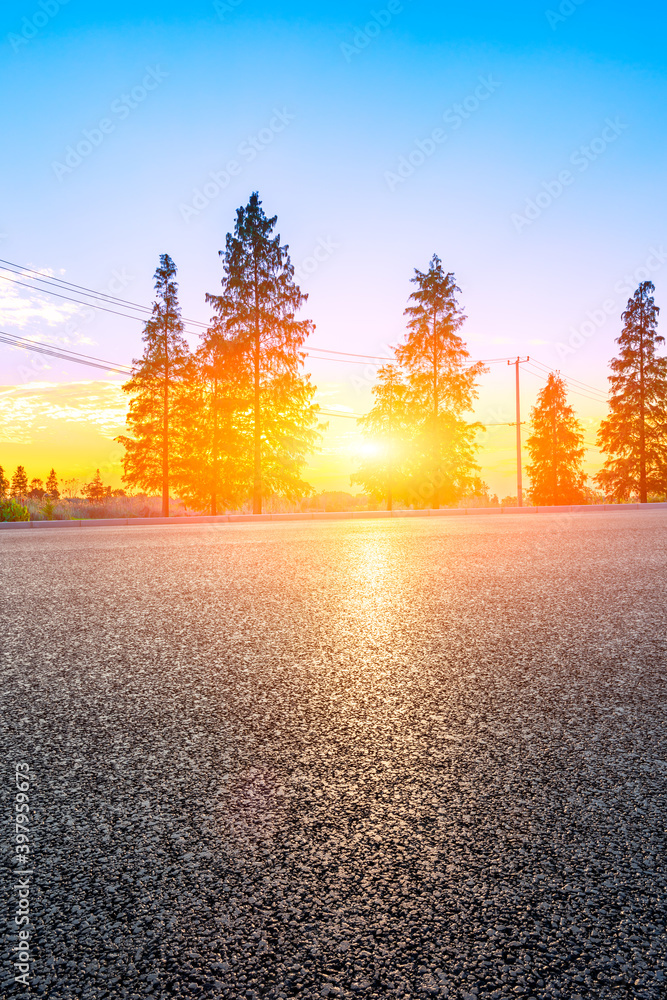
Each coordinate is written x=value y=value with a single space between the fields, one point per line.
x=634 y=435
x=388 y=428
x=556 y=449
x=52 y=490
x=216 y=463
x=95 y=490
x=19 y=487
x=257 y=310
x=442 y=385
x=158 y=388
x=4 y=485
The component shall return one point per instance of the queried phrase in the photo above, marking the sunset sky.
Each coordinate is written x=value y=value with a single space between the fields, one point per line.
x=525 y=146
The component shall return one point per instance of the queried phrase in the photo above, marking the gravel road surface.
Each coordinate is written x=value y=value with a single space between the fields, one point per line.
x=340 y=759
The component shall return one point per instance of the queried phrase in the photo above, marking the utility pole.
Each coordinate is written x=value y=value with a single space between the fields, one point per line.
x=519 y=485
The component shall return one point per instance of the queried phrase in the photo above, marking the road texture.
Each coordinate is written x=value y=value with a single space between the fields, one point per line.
x=341 y=759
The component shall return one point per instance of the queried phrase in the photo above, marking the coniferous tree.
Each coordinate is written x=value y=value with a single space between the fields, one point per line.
x=52 y=490
x=290 y=430
x=556 y=449
x=19 y=488
x=216 y=462
x=4 y=485
x=158 y=387
x=442 y=386
x=634 y=435
x=95 y=490
x=388 y=427
x=257 y=311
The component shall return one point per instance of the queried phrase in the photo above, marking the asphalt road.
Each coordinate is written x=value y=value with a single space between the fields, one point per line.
x=341 y=759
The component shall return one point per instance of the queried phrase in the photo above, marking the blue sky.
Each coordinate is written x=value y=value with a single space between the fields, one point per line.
x=336 y=102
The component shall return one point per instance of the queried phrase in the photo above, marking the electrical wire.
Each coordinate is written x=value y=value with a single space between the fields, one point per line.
x=573 y=387
x=576 y=392
x=91 y=361
x=568 y=378
x=104 y=300
x=19 y=270
x=24 y=342
x=336 y=413
x=49 y=278
x=126 y=304
x=63 y=354
x=80 y=302
x=142 y=319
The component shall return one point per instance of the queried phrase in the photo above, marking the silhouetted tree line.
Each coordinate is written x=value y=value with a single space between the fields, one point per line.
x=425 y=450
x=20 y=489
x=236 y=417
x=235 y=420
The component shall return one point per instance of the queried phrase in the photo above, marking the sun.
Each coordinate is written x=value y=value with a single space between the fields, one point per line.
x=368 y=449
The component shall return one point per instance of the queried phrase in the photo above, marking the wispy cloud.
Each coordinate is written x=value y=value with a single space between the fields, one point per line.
x=28 y=412
x=20 y=307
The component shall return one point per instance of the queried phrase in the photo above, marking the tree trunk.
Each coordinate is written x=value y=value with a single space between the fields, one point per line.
x=436 y=414
x=257 y=478
x=643 y=494
x=214 y=489
x=165 y=428
x=390 y=469
x=554 y=427
x=257 y=481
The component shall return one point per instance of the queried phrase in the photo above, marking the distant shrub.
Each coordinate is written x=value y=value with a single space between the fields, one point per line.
x=49 y=509
x=12 y=510
x=109 y=507
x=332 y=501
x=76 y=508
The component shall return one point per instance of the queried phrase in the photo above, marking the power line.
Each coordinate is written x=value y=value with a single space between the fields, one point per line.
x=63 y=285
x=569 y=378
x=49 y=278
x=68 y=298
x=126 y=304
x=337 y=413
x=148 y=313
x=347 y=354
x=104 y=300
x=63 y=354
x=314 y=352
x=577 y=392
x=544 y=378
x=90 y=360
x=24 y=342
x=341 y=361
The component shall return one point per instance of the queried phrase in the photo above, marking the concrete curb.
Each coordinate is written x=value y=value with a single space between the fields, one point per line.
x=364 y=515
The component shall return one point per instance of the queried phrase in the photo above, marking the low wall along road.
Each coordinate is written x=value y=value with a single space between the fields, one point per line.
x=330 y=516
